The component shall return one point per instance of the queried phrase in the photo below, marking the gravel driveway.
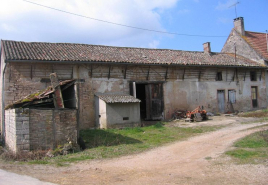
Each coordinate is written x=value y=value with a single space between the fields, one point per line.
x=197 y=160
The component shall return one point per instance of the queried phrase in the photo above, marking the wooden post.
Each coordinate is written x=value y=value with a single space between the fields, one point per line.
x=57 y=96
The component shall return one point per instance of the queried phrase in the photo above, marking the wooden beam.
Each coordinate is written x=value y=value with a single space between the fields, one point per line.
x=9 y=78
x=72 y=75
x=183 y=74
x=199 y=76
x=58 y=100
x=226 y=75
x=109 y=74
x=91 y=71
x=67 y=86
x=166 y=74
x=31 y=75
x=125 y=72
x=234 y=75
x=236 y=72
x=148 y=73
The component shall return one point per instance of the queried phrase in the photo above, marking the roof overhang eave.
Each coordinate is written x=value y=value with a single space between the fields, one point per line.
x=130 y=63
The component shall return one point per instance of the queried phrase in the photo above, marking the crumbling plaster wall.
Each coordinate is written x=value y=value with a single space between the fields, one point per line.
x=237 y=42
x=184 y=87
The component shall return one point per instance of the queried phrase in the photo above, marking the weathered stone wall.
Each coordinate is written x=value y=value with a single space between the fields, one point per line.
x=50 y=128
x=33 y=129
x=184 y=87
x=17 y=129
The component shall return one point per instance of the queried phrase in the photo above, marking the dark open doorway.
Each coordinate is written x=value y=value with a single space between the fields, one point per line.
x=151 y=96
x=141 y=95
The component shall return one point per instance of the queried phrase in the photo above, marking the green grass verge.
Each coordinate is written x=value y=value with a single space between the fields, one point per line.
x=251 y=149
x=115 y=142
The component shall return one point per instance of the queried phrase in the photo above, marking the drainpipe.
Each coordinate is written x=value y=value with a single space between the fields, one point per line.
x=3 y=105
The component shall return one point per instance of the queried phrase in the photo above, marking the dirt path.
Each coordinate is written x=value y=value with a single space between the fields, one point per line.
x=194 y=161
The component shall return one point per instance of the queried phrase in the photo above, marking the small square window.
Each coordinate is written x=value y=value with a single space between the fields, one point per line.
x=253 y=76
x=219 y=76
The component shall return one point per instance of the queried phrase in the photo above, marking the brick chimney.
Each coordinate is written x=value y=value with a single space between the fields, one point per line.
x=206 y=47
x=239 y=25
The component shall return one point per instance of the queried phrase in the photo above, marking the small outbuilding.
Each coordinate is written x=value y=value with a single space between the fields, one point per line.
x=117 y=110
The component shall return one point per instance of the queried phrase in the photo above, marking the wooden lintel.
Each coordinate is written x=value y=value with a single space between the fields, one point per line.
x=125 y=72
x=109 y=74
x=166 y=74
x=148 y=73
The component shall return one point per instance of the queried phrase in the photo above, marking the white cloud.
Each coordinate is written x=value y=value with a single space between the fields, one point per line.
x=35 y=23
x=154 y=44
x=226 y=5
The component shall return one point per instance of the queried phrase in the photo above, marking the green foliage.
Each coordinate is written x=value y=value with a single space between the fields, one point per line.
x=242 y=154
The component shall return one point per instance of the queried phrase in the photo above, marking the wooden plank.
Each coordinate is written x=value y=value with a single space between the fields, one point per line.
x=148 y=73
x=58 y=100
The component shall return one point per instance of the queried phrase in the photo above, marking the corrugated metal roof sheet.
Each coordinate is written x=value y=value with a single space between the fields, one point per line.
x=64 y=52
x=118 y=98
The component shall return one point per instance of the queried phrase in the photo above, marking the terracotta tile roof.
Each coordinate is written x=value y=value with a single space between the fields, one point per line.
x=40 y=51
x=258 y=42
x=118 y=98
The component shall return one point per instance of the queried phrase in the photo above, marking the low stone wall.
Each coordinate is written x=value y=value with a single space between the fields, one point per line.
x=34 y=129
x=17 y=129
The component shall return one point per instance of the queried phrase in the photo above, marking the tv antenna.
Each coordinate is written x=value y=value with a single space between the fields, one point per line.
x=235 y=7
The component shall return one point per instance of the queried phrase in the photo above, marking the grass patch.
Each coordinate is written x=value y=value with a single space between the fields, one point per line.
x=112 y=143
x=257 y=114
x=251 y=149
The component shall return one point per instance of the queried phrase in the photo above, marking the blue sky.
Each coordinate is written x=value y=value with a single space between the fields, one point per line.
x=23 y=21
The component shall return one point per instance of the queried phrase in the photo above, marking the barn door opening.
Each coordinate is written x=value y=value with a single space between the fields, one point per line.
x=151 y=96
x=221 y=102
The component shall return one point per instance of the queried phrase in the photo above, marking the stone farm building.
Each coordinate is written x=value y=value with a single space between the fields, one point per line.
x=162 y=81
